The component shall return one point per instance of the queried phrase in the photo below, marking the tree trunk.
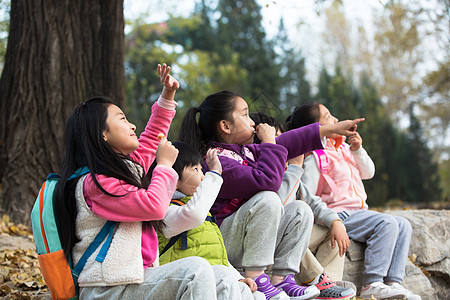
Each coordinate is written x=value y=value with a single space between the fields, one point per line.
x=59 y=53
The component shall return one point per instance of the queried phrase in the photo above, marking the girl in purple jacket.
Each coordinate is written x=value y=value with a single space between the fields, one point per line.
x=257 y=231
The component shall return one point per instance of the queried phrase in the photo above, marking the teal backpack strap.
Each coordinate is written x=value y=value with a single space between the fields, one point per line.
x=81 y=171
x=102 y=254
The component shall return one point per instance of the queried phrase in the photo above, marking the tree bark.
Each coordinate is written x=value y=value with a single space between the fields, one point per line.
x=59 y=53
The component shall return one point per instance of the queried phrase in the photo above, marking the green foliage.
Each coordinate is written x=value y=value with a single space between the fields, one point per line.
x=338 y=94
x=444 y=172
x=143 y=53
x=425 y=174
x=150 y=44
x=200 y=79
x=295 y=87
x=404 y=166
x=226 y=48
x=239 y=30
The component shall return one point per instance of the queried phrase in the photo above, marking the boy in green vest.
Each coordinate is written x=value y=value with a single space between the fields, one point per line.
x=190 y=230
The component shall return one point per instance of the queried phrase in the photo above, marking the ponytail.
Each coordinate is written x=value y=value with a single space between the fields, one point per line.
x=190 y=132
x=214 y=108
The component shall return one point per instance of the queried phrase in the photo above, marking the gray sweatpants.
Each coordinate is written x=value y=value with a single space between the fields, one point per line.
x=387 y=238
x=261 y=233
x=188 y=278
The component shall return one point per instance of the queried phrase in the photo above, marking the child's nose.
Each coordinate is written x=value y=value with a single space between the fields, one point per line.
x=133 y=127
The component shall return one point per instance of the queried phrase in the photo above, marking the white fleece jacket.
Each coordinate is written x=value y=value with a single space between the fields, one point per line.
x=123 y=262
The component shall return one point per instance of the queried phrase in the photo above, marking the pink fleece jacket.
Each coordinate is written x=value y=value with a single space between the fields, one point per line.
x=347 y=169
x=139 y=204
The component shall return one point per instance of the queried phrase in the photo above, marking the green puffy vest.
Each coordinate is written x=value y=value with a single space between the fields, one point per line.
x=205 y=241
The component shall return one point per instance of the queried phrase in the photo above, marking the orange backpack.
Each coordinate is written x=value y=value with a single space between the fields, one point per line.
x=58 y=272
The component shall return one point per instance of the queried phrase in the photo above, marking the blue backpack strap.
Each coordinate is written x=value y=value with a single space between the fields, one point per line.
x=104 y=232
x=81 y=171
x=211 y=219
x=102 y=254
x=183 y=235
x=173 y=240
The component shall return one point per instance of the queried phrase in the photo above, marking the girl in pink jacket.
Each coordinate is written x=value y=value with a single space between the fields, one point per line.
x=117 y=188
x=387 y=237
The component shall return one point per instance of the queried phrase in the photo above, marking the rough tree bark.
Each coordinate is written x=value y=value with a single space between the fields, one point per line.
x=59 y=53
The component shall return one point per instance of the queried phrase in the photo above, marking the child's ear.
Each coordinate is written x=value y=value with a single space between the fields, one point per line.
x=225 y=127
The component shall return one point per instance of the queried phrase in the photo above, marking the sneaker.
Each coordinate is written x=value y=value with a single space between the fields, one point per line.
x=269 y=291
x=297 y=292
x=380 y=291
x=346 y=284
x=408 y=294
x=329 y=290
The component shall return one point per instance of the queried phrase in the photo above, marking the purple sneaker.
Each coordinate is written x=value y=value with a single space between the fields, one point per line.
x=265 y=287
x=297 y=292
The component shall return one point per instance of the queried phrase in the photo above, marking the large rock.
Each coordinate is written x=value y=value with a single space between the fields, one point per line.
x=428 y=268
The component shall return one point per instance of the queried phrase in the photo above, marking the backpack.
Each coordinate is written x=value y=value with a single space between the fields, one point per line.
x=59 y=273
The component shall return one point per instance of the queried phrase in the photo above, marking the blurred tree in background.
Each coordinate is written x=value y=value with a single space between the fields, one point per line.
x=222 y=45
x=381 y=73
x=58 y=54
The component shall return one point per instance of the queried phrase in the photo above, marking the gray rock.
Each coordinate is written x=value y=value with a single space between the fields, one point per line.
x=427 y=271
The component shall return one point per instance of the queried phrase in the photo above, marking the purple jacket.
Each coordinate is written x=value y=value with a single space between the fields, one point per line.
x=264 y=173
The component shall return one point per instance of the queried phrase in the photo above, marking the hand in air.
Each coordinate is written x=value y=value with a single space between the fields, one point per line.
x=251 y=284
x=266 y=133
x=347 y=128
x=355 y=142
x=213 y=161
x=166 y=154
x=170 y=83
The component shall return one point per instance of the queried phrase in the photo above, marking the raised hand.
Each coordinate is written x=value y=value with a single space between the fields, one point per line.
x=213 y=161
x=170 y=83
x=347 y=128
x=266 y=133
x=166 y=154
x=355 y=142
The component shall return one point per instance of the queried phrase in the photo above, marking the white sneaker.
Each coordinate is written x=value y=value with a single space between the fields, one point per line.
x=408 y=294
x=381 y=291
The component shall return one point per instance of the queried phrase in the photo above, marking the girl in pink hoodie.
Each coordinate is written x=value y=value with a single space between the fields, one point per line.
x=387 y=237
x=117 y=188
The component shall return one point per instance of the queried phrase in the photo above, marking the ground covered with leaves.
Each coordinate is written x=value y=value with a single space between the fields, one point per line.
x=20 y=275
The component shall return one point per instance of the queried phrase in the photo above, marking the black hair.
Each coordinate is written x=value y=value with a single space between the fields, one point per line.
x=188 y=156
x=85 y=146
x=214 y=108
x=260 y=117
x=304 y=114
